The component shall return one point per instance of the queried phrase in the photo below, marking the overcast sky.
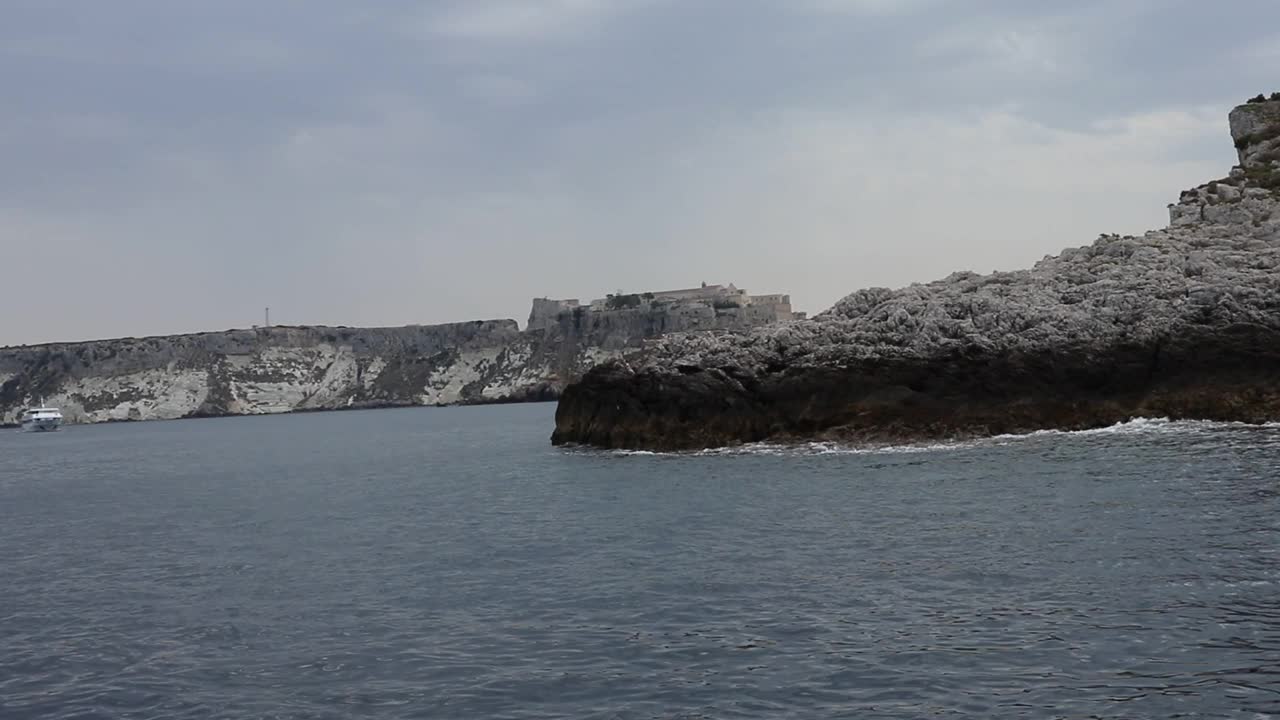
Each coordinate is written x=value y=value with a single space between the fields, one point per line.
x=177 y=166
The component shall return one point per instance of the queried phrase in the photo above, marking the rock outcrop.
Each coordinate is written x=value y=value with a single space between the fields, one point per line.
x=1255 y=127
x=1182 y=322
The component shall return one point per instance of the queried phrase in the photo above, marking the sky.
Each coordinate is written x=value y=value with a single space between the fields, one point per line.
x=173 y=167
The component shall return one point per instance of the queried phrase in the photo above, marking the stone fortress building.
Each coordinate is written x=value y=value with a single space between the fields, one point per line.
x=707 y=307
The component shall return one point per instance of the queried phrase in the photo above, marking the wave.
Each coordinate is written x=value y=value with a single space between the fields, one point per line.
x=1136 y=426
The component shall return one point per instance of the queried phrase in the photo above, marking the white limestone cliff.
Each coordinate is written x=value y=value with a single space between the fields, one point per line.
x=275 y=370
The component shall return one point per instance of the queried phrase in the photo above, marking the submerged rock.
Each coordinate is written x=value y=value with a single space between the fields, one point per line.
x=1182 y=323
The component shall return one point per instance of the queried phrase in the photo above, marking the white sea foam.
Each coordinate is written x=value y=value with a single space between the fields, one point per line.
x=1137 y=426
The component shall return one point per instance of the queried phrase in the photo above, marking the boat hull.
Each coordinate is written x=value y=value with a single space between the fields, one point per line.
x=41 y=425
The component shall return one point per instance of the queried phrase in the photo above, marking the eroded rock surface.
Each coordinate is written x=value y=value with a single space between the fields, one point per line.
x=265 y=370
x=288 y=369
x=1182 y=322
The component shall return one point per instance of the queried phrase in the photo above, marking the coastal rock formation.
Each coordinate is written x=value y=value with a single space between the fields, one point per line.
x=289 y=369
x=1255 y=127
x=1182 y=322
x=267 y=370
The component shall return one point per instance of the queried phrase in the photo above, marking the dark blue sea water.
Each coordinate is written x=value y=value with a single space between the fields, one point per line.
x=448 y=563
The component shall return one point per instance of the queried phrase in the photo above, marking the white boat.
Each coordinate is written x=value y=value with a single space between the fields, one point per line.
x=41 y=419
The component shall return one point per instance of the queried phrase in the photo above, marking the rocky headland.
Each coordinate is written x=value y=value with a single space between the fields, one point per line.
x=289 y=369
x=1182 y=322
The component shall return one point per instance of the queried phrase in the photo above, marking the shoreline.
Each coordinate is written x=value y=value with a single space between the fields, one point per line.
x=298 y=411
x=1136 y=425
x=1180 y=322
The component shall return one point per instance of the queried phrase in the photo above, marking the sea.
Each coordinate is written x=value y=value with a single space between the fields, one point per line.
x=451 y=563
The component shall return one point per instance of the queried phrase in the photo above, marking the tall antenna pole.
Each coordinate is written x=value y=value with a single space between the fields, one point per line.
x=268 y=317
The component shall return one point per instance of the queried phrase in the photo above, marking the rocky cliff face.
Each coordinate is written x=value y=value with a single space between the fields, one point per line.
x=1182 y=322
x=282 y=369
x=286 y=369
x=1255 y=127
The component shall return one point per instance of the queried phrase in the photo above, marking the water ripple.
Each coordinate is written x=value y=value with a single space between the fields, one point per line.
x=447 y=563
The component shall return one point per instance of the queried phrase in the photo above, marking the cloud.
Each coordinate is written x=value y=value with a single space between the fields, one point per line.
x=388 y=164
x=1264 y=50
x=1011 y=49
x=386 y=137
x=887 y=202
x=499 y=89
x=1157 y=128
x=504 y=20
x=865 y=7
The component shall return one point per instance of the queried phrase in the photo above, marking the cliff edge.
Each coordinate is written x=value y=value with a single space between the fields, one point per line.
x=1182 y=322
x=288 y=369
x=270 y=370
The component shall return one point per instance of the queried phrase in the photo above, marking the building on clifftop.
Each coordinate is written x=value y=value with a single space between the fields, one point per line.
x=724 y=307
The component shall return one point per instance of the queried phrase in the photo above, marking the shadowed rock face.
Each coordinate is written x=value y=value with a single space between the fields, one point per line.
x=1182 y=322
x=1255 y=128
